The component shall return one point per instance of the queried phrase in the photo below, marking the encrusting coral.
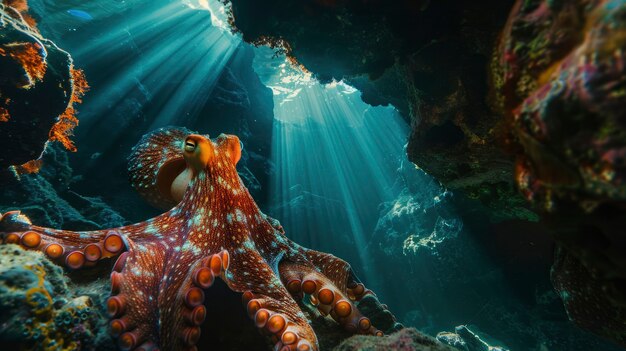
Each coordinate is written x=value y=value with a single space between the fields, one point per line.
x=36 y=305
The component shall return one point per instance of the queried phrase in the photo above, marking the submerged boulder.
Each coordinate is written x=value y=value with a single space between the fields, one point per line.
x=39 y=310
x=408 y=339
x=48 y=199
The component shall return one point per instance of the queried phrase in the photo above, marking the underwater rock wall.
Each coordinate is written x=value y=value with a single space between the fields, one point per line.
x=427 y=58
x=38 y=89
x=559 y=79
x=48 y=199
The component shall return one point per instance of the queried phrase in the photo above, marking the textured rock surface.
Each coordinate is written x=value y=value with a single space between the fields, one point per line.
x=559 y=78
x=38 y=89
x=466 y=340
x=407 y=339
x=40 y=311
x=559 y=75
x=47 y=199
x=427 y=58
x=420 y=218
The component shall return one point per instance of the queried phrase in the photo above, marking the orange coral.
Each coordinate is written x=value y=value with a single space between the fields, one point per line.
x=21 y=6
x=28 y=55
x=32 y=57
x=62 y=129
x=4 y=115
x=80 y=85
x=282 y=47
x=32 y=166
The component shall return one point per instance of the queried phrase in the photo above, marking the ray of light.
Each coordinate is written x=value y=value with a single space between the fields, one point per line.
x=336 y=158
x=166 y=55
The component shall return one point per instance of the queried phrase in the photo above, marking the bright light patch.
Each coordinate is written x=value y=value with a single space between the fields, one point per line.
x=336 y=159
x=177 y=53
x=219 y=11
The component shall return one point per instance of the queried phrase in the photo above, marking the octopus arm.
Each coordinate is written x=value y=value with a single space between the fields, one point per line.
x=301 y=279
x=181 y=302
x=269 y=304
x=136 y=282
x=71 y=248
x=339 y=272
x=274 y=223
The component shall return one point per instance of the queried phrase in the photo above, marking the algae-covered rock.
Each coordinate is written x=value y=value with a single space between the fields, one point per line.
x=39 y=311
x=330 y=334
x=38 y=87
x=559 y=77
x=408 y=339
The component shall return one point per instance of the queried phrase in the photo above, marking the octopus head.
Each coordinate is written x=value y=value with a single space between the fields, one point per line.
x=200 y=152
x=165 y=162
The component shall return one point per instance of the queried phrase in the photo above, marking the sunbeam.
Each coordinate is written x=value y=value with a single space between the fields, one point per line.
x=157 y=63
x=337 y=159
x=181 y=53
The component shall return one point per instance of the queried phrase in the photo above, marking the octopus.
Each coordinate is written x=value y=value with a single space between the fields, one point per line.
x=213 y=229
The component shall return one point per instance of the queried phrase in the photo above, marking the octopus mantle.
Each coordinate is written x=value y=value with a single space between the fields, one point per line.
x=214 y=230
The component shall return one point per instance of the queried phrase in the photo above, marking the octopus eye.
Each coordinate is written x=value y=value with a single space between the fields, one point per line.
x=190 y=145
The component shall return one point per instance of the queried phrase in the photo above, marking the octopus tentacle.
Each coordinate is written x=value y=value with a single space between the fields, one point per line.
x=269 y=304
x=339 y=272
x=326 y=296
x=272 y=312
x=133 y=299
x=187 y=312
x=73 y=249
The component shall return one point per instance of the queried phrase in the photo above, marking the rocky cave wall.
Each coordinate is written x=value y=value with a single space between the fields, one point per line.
x=428 y=59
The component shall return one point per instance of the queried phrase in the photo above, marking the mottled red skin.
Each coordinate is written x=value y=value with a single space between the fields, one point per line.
x=217 y=225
